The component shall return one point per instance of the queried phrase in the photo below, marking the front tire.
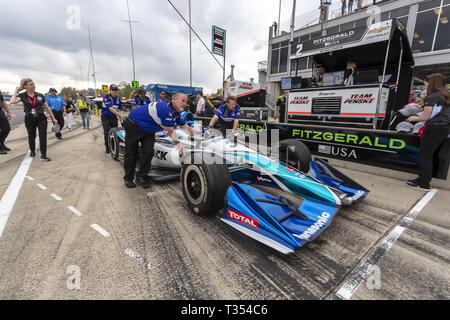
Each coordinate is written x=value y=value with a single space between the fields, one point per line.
x=295 y=154
x=113 y=142
x=204 y=187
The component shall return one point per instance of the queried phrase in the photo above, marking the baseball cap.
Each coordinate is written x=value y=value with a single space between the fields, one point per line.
x=53 y=89
x=113 y=87
x=404 y=126
x=417 y=126
x=410 y=110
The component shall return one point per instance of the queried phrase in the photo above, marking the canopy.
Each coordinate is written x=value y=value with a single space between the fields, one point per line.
x=157 y=88
x=366 y=45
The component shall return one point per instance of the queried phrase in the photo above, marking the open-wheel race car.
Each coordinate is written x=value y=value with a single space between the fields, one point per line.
x=268 y=197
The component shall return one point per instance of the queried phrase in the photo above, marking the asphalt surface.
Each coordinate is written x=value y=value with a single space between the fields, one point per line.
x=146 y=244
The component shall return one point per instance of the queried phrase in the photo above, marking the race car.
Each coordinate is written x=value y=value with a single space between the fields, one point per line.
x=268 y=197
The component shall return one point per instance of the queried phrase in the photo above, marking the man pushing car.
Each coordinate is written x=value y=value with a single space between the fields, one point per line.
x=141 y=125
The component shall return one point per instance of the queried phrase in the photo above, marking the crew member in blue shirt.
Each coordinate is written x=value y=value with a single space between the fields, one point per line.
x=162 y=97
x=110 y=111
x=140 y=99
x=228 y=115
x=141 y=126
x=58 y=106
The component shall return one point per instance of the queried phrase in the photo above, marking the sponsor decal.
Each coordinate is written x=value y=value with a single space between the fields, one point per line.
x=378 y=30
x=261 y=179
x=357 y=195
x=250 y=127
x=161 y=155
x=338 y=151
x=334 y=38
x=237 y=216
x=360 y=98
x=312 y=230
x=246 y=86
x=300 y=100
x=351 y=139
x=295 y=172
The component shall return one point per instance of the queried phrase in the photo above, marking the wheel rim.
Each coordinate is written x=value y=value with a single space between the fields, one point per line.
x=194 y=184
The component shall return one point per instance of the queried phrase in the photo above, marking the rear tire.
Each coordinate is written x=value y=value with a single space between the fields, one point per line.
x=113 y=142
x=205 y=186
x=299 y=155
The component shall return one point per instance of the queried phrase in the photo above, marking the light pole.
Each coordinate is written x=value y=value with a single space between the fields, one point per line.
x=131 y=37
x=93 y=67
x=190 y=47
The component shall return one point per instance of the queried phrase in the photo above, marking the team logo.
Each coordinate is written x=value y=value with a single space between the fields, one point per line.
x=236 y=216
x=261 y=179
x=360 y=98
x=161 y=155
x=312 y=230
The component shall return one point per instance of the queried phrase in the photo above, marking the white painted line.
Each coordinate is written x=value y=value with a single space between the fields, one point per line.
x=41 y=186
x=357 y=277
x=10 y=196
x=136 y=256
x=74 y=210
x=100 y=230
x=29 y=178
x=54 y=195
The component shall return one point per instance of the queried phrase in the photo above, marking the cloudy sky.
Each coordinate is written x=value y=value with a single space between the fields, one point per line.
x=44 y=40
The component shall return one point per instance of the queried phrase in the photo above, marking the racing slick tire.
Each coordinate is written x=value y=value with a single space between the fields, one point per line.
x=299 y=155
x=113 y=142
x=205 y=186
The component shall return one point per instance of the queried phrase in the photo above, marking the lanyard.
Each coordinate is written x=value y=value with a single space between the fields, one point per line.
x=33 y=104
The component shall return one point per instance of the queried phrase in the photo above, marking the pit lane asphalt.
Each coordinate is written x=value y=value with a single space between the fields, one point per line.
x=158 y=249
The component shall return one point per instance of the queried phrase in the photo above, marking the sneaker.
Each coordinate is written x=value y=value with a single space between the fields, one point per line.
x=5 y=148
x=45 y=158
x=107 y=150
x=144 y=183
x=59 y=138
x=3 y=152
x=414 y=185
x=129 y=184
x=32 y=154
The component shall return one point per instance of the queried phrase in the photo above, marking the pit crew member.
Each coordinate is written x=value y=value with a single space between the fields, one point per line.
x=140 y=99
x=141 y=125
x=110 y=106
x=228 y=115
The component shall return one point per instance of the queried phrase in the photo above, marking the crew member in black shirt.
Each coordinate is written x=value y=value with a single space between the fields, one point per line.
x=437 y=128
x=4 y=125
x=34 y=106
x=280 y=107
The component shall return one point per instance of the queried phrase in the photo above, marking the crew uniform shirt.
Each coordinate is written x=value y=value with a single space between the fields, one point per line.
x=226 y=115
x=155 y=116
x=36 y=102
x=110 y=101
x=442 y=118
x=136 y=101
x=201 y=105
x=55 y=103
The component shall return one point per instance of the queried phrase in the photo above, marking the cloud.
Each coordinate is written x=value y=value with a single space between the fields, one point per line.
x=37 y=43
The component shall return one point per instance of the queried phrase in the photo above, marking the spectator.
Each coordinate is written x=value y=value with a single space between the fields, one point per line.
x=162 y=97
x=70 y=109
x=84 y=111
x=350 y=6
x=34 y=106
x=344 y=6
x=200 y=111
x=140 y=99
x=58 y=107
x=350 y=72
x=4 y=125
x=437 y=127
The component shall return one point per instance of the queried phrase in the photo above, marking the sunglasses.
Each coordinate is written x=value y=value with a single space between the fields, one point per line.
x=114 y=89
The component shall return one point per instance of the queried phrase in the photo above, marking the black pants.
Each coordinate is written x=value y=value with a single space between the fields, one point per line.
x=133 y=135
x=60 y=119
x=108 y=122
x=433 y=137
x=224 y=125
x=40 y=122
x=4 y=128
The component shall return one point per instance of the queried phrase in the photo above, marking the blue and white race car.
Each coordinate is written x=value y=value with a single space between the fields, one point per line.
x=269 y=197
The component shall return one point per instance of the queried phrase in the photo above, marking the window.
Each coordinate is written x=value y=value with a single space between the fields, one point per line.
x=443 y=32
x=316 y=35
x=310 y=62
x=302 y=64
x=274 y=61
x=424 y=32
x=399 y=12
x=347 y=26
x=275 y=45
x=283 y=59
x=385 y=16
x=304 y=38
x=333 y=30
x=361 y=22
x=446 y=2
x=430 y=5
x=404 y=20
